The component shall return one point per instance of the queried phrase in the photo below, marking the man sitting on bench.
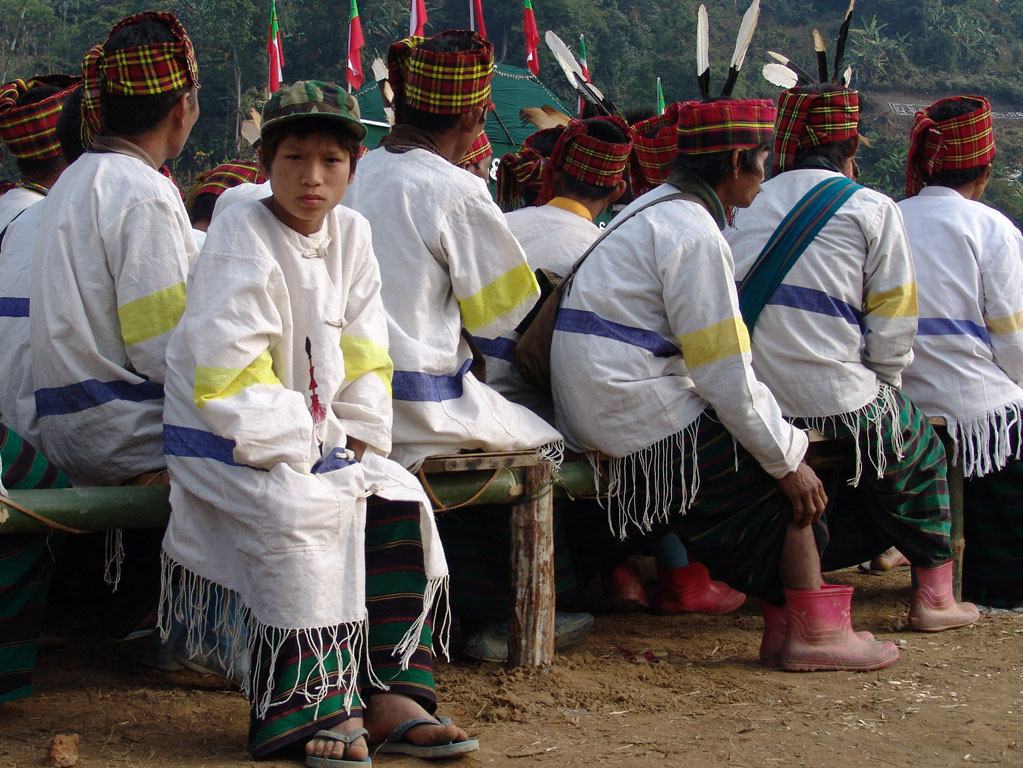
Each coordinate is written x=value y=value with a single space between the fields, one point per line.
x=831 y=336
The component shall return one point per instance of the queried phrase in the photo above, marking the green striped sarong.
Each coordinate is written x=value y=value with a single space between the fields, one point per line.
x=395 y=587
x=26 y=565
x=908 y=505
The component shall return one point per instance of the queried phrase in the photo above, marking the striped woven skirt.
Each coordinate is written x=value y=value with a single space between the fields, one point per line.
x=26 y=564
x=908 y=504
x=395 y=586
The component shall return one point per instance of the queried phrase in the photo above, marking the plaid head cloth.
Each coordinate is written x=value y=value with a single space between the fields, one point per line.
x=522 y=170
x=441 y=83
x=961 y=142
x=479 y=149
x=810 y=119
x=586 y=158
x=224 y=176
x=654 y=144
x=30 y=131
x=146 y=70
x=721 y=126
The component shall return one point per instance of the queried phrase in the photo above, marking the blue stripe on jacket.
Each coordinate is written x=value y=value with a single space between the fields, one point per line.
x=592 y=324
x=191 y=443
x=74 y=398
x=499 y=348
x=416 y=387
x=946 y=326
x=813 y=300
x=11 y=306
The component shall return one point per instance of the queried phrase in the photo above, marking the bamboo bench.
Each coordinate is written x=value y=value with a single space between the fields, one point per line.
x=515 y=479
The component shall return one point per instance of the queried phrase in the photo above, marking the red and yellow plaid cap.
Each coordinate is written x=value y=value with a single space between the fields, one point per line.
x=808 y=120
x=441 y=83
x=146 y=70
x=721 y=126
x=587 y=158
x=522 y=170
x=961 y=142
x=30 y=131
x=479 y=149
x=224 y=176
x=654 y=144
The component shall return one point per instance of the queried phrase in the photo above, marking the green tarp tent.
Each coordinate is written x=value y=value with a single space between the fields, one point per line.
x=513 y=89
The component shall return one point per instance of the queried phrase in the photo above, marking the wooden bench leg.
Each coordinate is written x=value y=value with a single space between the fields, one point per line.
x=955 y=502
x=531 y=630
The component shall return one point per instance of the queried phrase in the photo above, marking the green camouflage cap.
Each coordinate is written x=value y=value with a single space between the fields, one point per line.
x=309 y=98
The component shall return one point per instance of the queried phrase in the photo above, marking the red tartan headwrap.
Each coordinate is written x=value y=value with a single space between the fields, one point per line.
x=961 y=142
x=811 y=119
x=586 y=158
x=30 y=131
x=522 y=170
x=479 y=149
x=721 y=126
x=654 y=144
x=441 y=83
x=224 y=176
x=146 y=70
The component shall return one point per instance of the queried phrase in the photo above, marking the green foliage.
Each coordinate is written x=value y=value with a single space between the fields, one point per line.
x=920 y=51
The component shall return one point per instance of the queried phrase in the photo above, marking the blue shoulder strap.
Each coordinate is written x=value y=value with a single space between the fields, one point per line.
x=796 y=231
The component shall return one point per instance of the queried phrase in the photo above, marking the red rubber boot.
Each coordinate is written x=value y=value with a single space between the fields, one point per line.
x=690 y=589
x=776 y=627
x=934 y=608
x=624 y=589
x=820 y=636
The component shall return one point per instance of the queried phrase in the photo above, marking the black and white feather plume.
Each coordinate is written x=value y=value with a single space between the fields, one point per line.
x=703 y=52
x=742 y=41
x=843 y=35
x=786 y=73
x=574 y=72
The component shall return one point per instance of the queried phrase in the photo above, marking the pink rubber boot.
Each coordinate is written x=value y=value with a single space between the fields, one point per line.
x=933 y=608
x=776 y=628
x=820 y=636
x=624 y=589
x=690 y=589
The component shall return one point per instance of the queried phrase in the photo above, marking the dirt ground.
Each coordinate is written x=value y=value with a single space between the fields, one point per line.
x=640 y=691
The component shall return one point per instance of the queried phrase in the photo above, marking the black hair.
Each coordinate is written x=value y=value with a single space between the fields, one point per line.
x=714 y=167
x=836 y=152
x=34 y=168
x=634 y=116
x=124 y=115
x=604 y=130
x=301 y=127
x=69 y=126
x=429 y=122
x=202 y=207
x=954 y=177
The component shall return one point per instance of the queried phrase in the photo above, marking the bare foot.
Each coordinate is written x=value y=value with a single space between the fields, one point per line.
x=336 y=750
x=386 y=711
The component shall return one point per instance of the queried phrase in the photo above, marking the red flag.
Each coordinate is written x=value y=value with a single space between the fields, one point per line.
x=586 y=71
x=416 y=17
x=274 y=50
x=354 y=71
x=476 y=18
x=532 y=36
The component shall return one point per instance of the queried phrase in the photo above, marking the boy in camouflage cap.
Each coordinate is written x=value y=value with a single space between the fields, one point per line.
x=277 y=431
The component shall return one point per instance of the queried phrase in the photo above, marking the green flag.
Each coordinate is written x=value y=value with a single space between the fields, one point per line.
x=660 y=98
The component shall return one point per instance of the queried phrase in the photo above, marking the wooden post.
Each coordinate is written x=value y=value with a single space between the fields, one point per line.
x=531 y=630
x=955 y=503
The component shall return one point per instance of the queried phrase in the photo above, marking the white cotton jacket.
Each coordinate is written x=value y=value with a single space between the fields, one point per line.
x=968 y=363
x=14 y=201
x=447 y=261
x=17 y=397
x=250 y=413
x=649 y=336
x=553 y=238
x=843 y=319
x=108 y=286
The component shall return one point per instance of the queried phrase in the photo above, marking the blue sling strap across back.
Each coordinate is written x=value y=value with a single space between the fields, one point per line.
x=792 y=236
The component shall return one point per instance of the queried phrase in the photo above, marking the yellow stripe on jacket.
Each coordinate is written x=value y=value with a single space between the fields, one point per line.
x=714 y=343
x=364 y=356
x=505 y=294
x=898 y=302
x=1009 y=324
x=151 y=315
x=218 y=383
